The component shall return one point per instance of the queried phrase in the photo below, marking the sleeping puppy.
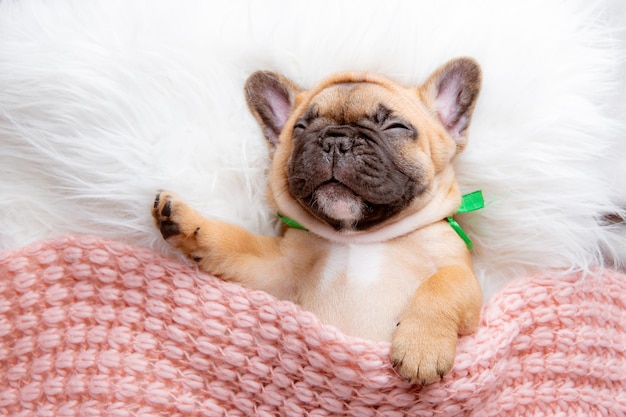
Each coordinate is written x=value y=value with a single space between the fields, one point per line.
x=363 y=165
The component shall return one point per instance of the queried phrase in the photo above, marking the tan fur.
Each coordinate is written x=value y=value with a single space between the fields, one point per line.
x=407 y=280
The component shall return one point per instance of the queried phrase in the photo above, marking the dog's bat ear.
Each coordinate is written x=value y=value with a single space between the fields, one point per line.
x=271 y=99
x=452 y=91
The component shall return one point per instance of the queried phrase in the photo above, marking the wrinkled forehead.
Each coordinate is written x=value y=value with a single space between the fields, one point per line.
x=351 y=101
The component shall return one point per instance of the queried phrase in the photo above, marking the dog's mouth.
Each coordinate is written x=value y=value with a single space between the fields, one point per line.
x=338 y=202
x=344 y=208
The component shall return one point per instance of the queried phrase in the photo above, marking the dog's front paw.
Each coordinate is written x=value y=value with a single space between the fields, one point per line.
x=178 y=223
x=423 y=351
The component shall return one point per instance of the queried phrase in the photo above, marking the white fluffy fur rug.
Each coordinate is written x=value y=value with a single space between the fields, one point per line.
x=104 y=102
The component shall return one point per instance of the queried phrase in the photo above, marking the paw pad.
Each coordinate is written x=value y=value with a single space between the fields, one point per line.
x=162 y=212
x=168 y=229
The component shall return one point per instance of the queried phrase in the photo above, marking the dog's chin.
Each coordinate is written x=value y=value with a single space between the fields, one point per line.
x=339 y=203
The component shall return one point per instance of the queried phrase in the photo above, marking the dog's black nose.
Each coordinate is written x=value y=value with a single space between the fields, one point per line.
x=331 y=144
x=336 y=139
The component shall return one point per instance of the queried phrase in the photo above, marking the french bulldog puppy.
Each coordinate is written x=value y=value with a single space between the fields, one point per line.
x=365 y=166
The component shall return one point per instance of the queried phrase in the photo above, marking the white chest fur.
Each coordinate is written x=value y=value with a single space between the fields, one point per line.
x=362 y=289
x=358 y=265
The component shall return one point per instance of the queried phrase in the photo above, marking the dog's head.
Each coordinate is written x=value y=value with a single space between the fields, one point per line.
x=360 y=155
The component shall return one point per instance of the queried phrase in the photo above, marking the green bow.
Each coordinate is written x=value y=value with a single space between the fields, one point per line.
x=469 y=202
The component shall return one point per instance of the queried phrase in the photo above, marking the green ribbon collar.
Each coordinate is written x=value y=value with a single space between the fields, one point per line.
x=291 y=223
x=469 y=202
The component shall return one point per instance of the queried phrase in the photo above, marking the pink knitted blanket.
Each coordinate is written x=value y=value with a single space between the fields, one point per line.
x=92 y=327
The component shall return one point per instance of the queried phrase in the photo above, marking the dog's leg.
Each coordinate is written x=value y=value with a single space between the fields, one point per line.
x=223 y=249
x=445 y=305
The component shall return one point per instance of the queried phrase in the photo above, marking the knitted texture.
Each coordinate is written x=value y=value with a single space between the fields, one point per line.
x=92 y=327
